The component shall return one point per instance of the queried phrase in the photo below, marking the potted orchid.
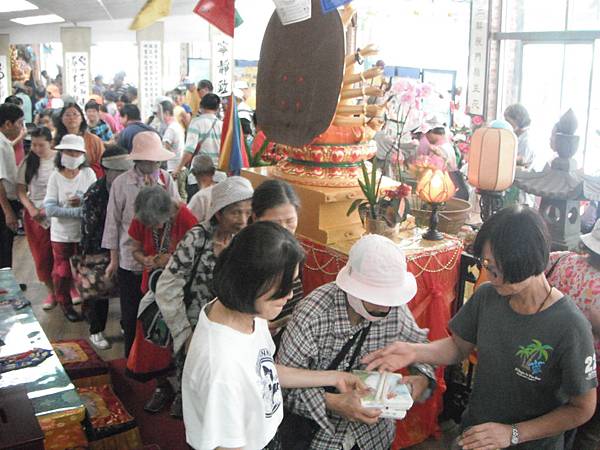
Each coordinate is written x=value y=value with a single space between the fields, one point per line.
x=381 y=211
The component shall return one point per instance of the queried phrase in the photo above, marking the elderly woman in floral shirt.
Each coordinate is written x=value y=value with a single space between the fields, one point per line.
x=184 y=287
x=578 y=276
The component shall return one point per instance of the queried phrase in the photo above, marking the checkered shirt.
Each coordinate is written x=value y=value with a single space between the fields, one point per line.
x=316 y=333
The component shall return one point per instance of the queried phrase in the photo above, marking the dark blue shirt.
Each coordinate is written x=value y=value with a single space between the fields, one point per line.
x=126 y=136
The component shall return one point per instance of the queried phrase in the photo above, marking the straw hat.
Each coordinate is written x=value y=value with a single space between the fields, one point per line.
x=376 y=273
x=592 y=240
x=71 y=142
x=228 y=192
x=147 y=146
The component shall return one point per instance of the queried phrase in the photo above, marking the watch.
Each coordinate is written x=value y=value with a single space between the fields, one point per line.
x=514 y=438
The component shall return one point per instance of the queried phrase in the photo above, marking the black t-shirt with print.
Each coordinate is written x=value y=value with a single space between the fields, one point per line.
x=528 y=365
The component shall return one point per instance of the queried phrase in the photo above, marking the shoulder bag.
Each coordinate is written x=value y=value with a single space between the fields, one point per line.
x=149 y=314
x=296 y=432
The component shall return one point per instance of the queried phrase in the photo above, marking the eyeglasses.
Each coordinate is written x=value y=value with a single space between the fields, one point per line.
x=490 y=268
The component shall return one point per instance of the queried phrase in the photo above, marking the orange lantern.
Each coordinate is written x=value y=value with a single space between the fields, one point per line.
x=435 y=187
x=492 y=159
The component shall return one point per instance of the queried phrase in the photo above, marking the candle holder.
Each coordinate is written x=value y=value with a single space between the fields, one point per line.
x=432 y=233
x=435 y=187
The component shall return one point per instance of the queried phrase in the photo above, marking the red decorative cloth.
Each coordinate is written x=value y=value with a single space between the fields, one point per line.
x=437 y=272
x=79 y=359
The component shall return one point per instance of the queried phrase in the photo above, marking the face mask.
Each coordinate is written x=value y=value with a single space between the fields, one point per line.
x=358 y=306
x=70 y=162
x=147 y=167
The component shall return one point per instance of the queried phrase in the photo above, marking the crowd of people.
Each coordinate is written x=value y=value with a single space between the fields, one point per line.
x=140 y=211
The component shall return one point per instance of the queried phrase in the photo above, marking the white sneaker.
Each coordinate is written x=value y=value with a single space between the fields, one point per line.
x=99 y=341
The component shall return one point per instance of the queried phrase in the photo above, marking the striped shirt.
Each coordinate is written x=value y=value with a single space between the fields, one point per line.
x=319 y=328
x=206 y=131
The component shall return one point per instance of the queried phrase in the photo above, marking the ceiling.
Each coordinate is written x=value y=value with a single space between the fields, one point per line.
x=76 y=11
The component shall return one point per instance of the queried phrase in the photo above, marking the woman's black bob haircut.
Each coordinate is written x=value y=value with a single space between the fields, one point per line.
x=261 y=256
x=519 y=241
x=271 y=194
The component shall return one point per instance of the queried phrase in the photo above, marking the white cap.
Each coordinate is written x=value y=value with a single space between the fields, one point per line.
x=232 y=190
x=376 y=273
x=71 y=142
x=592 y=240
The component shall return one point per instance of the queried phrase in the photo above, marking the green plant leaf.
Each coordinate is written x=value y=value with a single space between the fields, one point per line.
x=355 y=204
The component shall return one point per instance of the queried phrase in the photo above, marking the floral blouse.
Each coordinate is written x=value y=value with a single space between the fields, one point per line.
x=573 y=276
x=181 y=315
x=93 y=215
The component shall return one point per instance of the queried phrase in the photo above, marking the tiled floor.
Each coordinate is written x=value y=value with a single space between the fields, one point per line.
x=57 y=327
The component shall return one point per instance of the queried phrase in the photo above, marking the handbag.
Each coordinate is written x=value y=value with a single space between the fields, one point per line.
x=296 y=432
x=153 y=324
x=89 y=276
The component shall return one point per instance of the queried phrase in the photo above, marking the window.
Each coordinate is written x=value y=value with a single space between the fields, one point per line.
x=550 y=62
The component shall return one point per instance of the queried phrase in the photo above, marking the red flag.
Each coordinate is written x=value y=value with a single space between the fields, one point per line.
x=220 y=13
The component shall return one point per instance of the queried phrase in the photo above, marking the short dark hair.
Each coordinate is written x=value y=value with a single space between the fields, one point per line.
x=10 y=112
x=205 y=84
x=210 y=101
x=519 y=240
x=111 y=96
x=260 y=257
x=518 y=113
x=167 y=107
x=124 y=98
x=271 y=194
x=131 y=111
x=92 y=105
x=132 y=91
x=14 y=99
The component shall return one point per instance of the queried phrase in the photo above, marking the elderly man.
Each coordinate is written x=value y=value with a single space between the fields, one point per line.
x=366 y=304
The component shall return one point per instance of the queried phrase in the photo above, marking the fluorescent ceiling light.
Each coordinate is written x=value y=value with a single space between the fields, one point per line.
x=36 y=20
x=16 y=5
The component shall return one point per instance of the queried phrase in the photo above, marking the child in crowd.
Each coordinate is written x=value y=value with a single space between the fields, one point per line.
x=32 y=180
x=66 y=187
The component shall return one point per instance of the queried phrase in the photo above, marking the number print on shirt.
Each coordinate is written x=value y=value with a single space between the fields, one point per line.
x=590 y=367
x=269 y=381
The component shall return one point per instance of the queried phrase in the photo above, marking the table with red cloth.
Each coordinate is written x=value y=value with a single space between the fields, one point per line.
x=435 y=265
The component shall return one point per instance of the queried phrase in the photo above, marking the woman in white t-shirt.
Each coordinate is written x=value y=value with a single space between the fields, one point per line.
x=66 y=187
x=32 y=180
x=231 y=386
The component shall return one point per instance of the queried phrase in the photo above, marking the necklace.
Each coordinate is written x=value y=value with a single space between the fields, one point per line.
x=545 y=300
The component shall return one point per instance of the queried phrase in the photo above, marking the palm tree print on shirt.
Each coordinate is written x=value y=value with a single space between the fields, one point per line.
x=534 y=356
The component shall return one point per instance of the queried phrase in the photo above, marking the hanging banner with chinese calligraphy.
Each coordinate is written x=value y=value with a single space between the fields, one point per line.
x=77 y=76
x=3 y=77
x=150 y=75
x=222 y=63
x=478 y=56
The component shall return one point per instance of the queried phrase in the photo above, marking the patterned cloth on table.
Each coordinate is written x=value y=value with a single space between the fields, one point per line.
x=107 y=419
x=318 y=330
x=81 y=361
x=26 y=359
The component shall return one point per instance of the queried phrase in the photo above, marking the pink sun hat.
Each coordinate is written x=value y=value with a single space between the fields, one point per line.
x=376 y=273
x=147 y=146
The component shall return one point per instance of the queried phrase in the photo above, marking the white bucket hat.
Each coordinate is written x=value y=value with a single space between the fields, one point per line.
x=592 y=240
x=71 y=142
x=376 y=273
x=228 y=192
